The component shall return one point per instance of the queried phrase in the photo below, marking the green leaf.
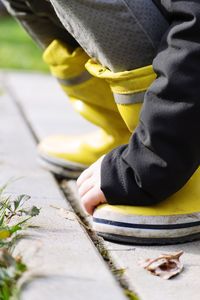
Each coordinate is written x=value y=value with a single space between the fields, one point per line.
x=34 y=211
x=15 y=228
x=20 y=200
x=21 y=267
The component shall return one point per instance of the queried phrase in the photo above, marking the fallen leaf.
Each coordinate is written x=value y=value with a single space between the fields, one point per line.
x=166 y=265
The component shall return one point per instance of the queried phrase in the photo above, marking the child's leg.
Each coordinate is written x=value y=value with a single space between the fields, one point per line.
x=63 y=154
x=110 y=32
x=121 y=35
x=81 y=19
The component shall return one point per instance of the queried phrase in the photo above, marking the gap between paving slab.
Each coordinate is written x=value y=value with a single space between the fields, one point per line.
x=62 y=260
x=186 y=285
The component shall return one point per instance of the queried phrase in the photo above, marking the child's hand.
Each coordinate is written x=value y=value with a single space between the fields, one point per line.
x=89 y=189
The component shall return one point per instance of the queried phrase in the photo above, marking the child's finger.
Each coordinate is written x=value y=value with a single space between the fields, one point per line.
x=87 y=185
x=84 y=176
x=91 y=200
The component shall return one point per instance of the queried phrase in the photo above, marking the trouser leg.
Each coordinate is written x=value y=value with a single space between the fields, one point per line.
x=112 y=32
x=120 y=34
x=90 y=96
x=39 y=20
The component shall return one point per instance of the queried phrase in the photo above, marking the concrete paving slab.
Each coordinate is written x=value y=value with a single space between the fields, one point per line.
x=47 y=98
x=186 y=285
x=63 y=262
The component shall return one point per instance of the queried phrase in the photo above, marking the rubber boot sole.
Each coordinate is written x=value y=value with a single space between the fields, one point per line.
x=146 y=229
x=61 y=168
x=120 y=239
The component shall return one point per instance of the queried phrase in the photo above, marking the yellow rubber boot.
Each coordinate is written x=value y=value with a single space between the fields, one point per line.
x=93 y=99
x=175 y=220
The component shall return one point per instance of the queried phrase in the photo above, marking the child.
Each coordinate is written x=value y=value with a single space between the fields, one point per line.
x=163 y=152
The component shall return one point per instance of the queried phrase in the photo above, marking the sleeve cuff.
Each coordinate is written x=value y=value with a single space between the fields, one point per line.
x=118 y=181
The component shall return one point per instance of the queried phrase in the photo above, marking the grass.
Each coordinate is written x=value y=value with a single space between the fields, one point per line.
x=17 y=50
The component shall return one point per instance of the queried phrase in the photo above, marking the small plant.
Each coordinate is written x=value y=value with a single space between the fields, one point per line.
x=11 y=269
x=13 y=218
x=13 y=215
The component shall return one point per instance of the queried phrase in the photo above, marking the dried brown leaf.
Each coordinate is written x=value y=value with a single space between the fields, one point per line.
x=166 y=265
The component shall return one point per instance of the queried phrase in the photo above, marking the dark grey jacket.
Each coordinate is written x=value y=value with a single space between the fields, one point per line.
x=164 y=151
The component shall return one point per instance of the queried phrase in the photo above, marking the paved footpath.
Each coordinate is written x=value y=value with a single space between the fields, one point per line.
x=59 y=252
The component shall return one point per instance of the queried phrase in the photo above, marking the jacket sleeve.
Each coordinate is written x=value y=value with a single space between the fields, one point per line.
x=164 y=151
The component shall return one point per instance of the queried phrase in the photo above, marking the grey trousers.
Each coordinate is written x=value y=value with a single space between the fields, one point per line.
x=120 y=34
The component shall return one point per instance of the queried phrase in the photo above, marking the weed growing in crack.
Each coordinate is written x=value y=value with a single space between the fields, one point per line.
x=13 y=218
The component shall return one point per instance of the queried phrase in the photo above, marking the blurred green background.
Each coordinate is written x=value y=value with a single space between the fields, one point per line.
x=17 y=51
